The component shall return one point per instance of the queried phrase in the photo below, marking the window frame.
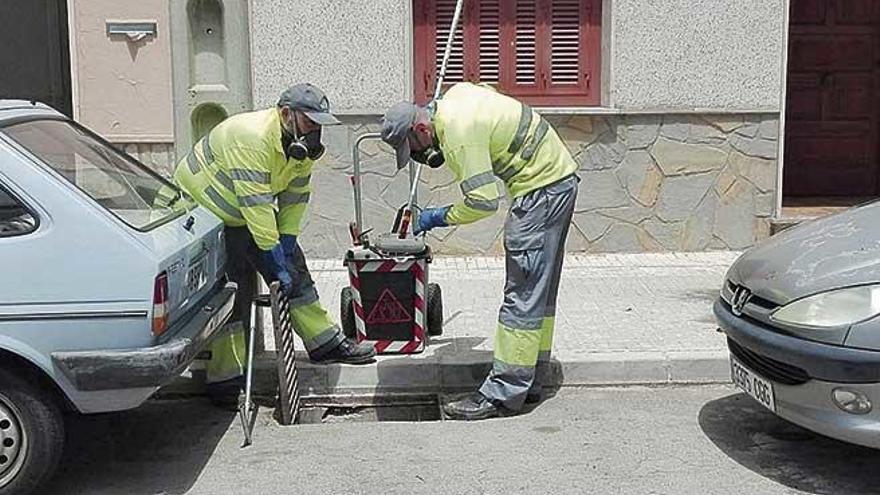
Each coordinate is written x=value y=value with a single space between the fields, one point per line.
x=542 y=93
x=4 y=188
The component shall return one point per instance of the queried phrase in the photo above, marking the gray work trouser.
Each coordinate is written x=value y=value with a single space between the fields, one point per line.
x=310 y=321
x=534 y=242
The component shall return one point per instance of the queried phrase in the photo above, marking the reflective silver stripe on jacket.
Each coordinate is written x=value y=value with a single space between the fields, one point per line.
x=206 y=148
x=221 y=203
x=529 y=151
x=477 y=181
x=482 y=204
x=288 y=198
x=257 y=176
x=194 y=167
x=516 y=144
x=508 y=173
x=301 y=181
x=225 y=180
x=525 y=121
x=256 y=199
x=193 y=163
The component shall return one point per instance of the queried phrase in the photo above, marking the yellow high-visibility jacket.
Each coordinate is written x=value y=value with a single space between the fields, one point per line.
x=239 y=171
x=485 y=134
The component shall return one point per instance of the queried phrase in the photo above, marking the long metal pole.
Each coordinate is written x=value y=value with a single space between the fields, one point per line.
x=247 y=411
x=440 y=77
x=448 y=51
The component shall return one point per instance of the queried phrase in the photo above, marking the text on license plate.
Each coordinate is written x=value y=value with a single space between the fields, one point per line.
x=196 y=278
x=751 y=383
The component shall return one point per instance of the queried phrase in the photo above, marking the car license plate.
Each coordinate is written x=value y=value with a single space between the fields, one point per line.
x=196 y=278
x=753 y=384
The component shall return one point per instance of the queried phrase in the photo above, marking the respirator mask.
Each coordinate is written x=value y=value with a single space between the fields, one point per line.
x=431 y=156
x=301 y=147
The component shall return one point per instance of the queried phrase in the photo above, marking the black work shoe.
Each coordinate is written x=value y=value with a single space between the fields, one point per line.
x=475 y=407
x=538 y=394
x=535 y=395
x=347 y=352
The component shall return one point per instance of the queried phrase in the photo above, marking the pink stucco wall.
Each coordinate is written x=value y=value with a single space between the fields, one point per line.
x=122 y=89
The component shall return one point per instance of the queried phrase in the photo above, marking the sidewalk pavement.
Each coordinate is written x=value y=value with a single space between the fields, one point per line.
x=621 y=319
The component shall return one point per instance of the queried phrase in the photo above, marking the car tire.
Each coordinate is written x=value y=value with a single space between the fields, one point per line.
x=31 y=435
x=434 y=298
x=346 y=313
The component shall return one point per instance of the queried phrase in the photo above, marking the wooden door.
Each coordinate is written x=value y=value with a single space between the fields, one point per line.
x=831 y=141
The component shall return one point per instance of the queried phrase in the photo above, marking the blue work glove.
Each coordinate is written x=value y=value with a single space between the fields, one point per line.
x=430 y=218
x=274 y=263
x=288 y=243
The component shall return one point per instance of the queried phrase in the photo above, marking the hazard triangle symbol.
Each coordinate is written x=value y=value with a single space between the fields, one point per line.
x=388 y=310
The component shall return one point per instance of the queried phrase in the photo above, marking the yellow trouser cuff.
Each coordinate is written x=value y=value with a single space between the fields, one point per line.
x=547 y=327
x=310 y=320
x=517 y=347
x=227 y=355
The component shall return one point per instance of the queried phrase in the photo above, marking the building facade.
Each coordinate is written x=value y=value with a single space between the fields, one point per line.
x=677 y=131
x=693 y=121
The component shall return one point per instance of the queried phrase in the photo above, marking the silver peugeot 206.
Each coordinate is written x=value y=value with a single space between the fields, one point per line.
x=802 y=316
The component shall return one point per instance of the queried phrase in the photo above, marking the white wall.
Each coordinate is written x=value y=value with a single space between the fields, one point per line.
x=358 y=52
x=684 y=55
x=709 y=56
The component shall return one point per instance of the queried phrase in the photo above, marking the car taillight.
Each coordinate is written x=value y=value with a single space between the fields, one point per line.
x=160 y=304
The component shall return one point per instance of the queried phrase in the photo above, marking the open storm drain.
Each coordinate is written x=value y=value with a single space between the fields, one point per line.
x=351 y=410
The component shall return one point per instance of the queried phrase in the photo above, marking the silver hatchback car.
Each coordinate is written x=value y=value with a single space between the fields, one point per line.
x=802 y=315
x=112 y=282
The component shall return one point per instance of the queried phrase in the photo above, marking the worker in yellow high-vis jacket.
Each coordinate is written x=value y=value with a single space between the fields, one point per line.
x=253 y=171
x=482 y=135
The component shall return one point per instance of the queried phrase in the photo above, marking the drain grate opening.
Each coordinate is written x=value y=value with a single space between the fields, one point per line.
x=353 y=410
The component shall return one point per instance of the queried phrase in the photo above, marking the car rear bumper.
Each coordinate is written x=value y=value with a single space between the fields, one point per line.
x=150 y=366
x=819 y=361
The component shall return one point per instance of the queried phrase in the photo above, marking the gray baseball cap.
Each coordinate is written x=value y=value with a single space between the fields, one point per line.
x=396 y=124
x=311 y=101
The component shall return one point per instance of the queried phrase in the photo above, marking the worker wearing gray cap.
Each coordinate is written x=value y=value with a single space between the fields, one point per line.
x=253 y=171
x=482 y=136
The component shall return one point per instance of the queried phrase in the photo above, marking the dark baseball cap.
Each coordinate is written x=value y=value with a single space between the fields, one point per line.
x=396 y=125
x=311 y=101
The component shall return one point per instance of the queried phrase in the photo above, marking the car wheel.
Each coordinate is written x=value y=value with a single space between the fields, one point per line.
x=31 y=435
x=435 y=310
x=346 y=313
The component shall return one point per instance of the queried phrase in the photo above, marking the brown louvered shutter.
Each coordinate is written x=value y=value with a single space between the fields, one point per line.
x=574 y=51
x=565 y=41
x=455 y=70
x=489 y=34
x=525 y=42
x=545 y=52
x=431 y=23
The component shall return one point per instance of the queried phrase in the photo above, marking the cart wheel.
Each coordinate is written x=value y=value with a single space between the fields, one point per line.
x=435 y=310
x=346 y=313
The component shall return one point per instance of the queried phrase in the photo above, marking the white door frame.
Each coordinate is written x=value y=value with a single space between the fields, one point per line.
x=780 y=159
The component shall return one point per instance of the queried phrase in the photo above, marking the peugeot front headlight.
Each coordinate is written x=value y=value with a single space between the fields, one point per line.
x=834 y=308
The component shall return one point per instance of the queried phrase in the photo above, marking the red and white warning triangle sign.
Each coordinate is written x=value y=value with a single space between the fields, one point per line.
x=388 y=310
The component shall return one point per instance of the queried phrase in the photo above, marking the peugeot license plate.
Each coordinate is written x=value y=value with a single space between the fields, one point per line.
x=753 y=384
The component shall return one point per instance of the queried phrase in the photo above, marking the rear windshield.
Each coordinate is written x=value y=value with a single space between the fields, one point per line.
x=116 y=181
